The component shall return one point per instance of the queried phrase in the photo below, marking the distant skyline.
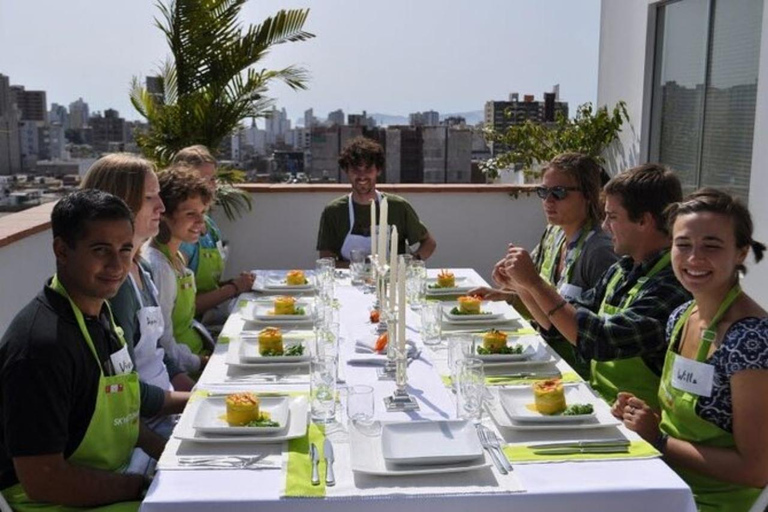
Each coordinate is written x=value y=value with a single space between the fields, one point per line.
x=393 y=57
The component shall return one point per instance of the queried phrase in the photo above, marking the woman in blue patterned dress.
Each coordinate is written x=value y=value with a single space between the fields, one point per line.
x=714 y=388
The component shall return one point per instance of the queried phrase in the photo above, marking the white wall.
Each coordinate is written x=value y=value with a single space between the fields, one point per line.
x=625 y=73
x=471 y=229
x=24 y=267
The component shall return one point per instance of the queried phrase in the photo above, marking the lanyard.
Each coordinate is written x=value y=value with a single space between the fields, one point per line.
x=630 y=296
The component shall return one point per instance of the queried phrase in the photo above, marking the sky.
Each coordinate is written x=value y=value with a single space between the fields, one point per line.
x=392 y=56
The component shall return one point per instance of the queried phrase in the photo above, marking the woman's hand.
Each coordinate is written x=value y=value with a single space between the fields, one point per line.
x=621 y=402
x=640 y=418
x=244 y=282
x=487 y=293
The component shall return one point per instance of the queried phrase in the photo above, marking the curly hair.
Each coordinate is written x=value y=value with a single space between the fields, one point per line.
x=73 y=212
x=646 y=188
x=716 y=201
x=362 y=151
x=194 y=156
x=179 y=183
x=587 y=174
x=120 y=174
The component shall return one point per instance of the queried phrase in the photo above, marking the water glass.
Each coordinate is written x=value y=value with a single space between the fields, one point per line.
x=459 y=348
x=416 y=283
x=470 y=389
x=322 y=389
x=324 y=269
x=360 y=405
x=431 y=323
x=327 y=340
x=357 y=266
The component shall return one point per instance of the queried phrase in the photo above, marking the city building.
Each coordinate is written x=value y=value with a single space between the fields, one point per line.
x=500 y=115
x=109 y=128
x=361 y=120
x=78 y=114
x=10 y=144
x=336 y=118
x=32 y=104
x=59 y=114
x=428 y=118
x=276 y=125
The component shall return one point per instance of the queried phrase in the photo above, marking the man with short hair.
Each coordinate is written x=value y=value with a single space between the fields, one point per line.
x=69 y=403
x=620 y=324
x=345 y=224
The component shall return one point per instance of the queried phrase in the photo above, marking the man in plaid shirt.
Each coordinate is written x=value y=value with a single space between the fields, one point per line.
x=619 y=326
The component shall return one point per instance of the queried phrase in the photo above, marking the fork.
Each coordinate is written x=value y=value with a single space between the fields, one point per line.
x=232 y=461
x=493 y=440
x=483 y=436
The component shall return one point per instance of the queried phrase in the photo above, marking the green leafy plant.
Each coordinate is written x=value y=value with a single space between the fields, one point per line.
x=209 y=84
x=589 y=132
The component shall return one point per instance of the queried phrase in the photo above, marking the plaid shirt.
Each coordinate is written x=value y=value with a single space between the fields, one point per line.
x=639 y=330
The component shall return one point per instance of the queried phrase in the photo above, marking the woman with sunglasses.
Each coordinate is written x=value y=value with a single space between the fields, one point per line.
x=714 y=386
x=574 y=252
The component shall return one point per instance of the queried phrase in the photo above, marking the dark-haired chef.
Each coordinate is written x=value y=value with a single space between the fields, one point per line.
x=70 y=394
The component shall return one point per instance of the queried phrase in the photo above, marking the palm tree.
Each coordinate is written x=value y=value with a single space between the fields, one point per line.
x=209 y=84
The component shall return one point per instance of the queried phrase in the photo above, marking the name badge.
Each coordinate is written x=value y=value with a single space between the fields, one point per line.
x=223 y=250
x=570 y=292
x=692 y=376
x=121 y=361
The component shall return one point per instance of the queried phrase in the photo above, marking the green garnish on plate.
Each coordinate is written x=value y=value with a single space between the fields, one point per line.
x=517 y=349
x=296 y=350
x=578 y=410
x=264 y=421
x=457 y=311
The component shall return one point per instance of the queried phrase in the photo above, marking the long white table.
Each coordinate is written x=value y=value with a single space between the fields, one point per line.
x=630 y=486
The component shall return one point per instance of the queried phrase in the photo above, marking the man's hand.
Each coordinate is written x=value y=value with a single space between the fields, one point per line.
x=244 y=282
x=519 y=267
x=500 y=277
x=487 y=293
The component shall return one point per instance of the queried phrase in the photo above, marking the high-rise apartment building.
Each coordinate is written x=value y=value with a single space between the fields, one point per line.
x=108 y=130
x=59 y=114
x=428 y=118
x=31 y=103
x=10 y=145
x=78 y=114
x=500 y=115
x=336 y=118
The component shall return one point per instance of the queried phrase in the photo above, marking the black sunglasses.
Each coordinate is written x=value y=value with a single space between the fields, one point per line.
x=558 y=192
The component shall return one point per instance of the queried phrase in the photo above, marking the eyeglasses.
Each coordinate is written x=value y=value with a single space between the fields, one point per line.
x=558 y=192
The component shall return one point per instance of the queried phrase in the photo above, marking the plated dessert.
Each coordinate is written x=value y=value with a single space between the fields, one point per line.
x=243 y=410
x=495 y=342
x=296 y=278
x=549 y=399
x=285 y=306
x=445 y=279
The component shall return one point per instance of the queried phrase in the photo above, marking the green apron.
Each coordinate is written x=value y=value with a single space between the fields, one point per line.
x=183 y=314
x=551 y=251
x=679 y=420
x=631 y=374
x=210 y=264
x=112 y=433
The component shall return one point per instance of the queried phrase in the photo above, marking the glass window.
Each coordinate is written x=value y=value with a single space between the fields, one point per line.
x=704 y=91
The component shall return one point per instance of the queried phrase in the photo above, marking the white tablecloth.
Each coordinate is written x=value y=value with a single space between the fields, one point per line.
x=588 y=486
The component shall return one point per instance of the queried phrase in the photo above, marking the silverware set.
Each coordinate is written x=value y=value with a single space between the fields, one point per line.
x=586 y=447
x=314 y=458
x=227 y=461
x=492 y=445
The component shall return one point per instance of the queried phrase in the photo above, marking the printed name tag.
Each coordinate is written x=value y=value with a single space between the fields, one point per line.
x=692 y=376
x=121 y=361
x=570 y=292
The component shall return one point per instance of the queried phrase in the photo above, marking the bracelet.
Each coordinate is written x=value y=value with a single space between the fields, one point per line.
x=556 y=308
x=661 y=442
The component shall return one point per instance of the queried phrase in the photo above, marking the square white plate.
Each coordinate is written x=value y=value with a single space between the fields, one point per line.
x=430 y=442
x=297 y=426
x=518 y=404
x=233 y=359
x=276 y=281
x=463 y=285
x=601 y=419
x=212 y=413
x=530 y=349
x=249 y=349
x=261 y=311
x=486 y=313
x=367 y=457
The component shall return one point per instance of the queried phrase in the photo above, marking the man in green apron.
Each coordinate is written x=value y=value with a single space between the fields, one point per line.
x=345 y=224
x=70 y=394
x=620 y=324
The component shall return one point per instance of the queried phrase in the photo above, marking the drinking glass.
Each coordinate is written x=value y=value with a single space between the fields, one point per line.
x=431 y=323
x=459 y=348
x=360 y=404
x=327 y=338
x=322 y=389
x=324 y=269
x=357 y=266
x=416 y=283
x=470 y=389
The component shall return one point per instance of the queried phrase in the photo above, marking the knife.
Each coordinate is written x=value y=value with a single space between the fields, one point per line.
x=314 y=457
x=580 y=444
x=585 y=449
x=330 y=478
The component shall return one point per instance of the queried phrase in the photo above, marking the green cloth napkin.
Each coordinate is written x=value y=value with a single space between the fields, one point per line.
x=504 y=381
x=299 y=471
x=637 y=450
